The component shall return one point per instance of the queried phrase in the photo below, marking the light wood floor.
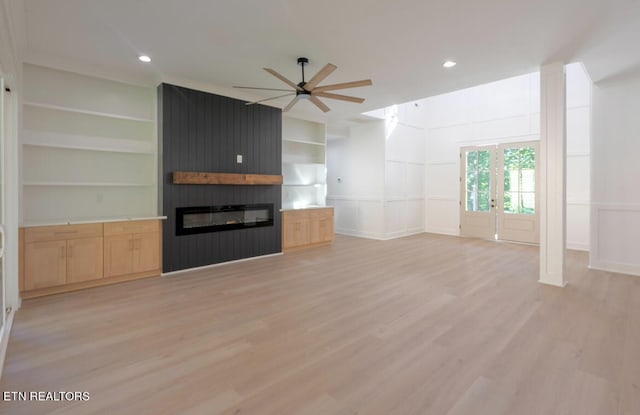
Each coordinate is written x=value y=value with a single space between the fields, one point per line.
x=420 y=325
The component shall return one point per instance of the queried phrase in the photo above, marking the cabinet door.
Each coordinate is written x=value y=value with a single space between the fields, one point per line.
x=296 y=232
x=45 y=264
x=118 y=255
x=321 y=229
x=146 y=252
x=84 y=259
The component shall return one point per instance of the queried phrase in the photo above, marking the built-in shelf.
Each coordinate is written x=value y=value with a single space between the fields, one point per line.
x=303 y=163
x=89 y=147
x=295 y=140
x=85 y=184
x=293 y=163
x=79 y=142
x=85 y=111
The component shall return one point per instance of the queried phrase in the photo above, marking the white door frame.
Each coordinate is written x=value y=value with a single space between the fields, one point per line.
x=3 y=273
x=515 y=226
x=493 y=222
x=480 y=221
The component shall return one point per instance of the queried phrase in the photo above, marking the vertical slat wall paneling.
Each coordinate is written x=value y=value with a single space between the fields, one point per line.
x=200 y=131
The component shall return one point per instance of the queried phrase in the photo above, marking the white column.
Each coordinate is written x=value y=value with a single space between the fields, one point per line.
x=552 y=168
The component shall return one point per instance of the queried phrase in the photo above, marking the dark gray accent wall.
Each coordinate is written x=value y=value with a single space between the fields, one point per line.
x=199 y=131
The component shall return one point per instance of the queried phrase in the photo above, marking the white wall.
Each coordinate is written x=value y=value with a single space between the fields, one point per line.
x=355 y=180
x=615 y=193
x=499 y=112
x=376 y=176
x=502 y=112
x=579 y=105
x=404 y=174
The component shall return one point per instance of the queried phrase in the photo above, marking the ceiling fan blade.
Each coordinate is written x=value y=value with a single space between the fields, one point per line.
x=263 y=89
x=291 y=104
x=339 y=97
x=319 y=77
x=269 y=99
x=319 y=104
x=283 y=79
x=344 y=85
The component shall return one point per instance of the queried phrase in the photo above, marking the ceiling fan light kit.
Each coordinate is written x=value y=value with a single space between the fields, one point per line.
x=309 y=90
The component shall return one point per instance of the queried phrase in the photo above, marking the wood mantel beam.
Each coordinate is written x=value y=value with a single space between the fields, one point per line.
x=192 y=177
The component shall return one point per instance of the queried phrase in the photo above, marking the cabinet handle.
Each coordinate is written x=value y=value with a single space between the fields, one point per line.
x=62 y=252
x=130 y=244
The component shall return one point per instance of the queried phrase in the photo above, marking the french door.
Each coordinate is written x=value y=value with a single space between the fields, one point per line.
x=498 y=192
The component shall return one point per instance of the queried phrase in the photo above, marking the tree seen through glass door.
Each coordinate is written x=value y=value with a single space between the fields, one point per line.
x=519 y=180
x=478 y=192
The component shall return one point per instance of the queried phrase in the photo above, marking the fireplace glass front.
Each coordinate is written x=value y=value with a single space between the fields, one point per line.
x=202 y=219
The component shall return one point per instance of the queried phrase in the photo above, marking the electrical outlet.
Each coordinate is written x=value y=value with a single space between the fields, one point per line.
x=239 y=158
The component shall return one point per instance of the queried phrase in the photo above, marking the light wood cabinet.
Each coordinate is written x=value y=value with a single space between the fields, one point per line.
x=46 y=265
x=131 y=248
x=59 y=255
x=118 y=258
x=307 y=227
x=295 y=230
x=321 y=226
x=84 y=259
x=69 y=257
x=146 y=252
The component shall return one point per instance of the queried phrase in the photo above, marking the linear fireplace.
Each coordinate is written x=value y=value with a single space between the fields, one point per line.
x=202 y=219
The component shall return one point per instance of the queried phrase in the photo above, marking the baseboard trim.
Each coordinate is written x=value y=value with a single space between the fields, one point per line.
x=578 y=247
x=358 y=234
x=616 y=268
x=219 y=264
x=443 y=231
x=553 y=284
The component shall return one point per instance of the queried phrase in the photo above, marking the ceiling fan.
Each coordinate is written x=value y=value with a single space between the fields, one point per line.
x=310 y=89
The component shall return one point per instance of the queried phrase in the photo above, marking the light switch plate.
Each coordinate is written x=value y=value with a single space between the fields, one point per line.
x=239 y=158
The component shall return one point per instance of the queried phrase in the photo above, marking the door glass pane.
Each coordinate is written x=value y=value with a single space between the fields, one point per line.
x=483 y=201
x=527 y=158
x=478 y=178
x=527 y=203
x=510 y=202
x=528 y=180
x=519 y=180
x=483 y=160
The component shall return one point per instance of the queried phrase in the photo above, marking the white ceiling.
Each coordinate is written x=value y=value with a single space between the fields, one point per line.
x=399 y=44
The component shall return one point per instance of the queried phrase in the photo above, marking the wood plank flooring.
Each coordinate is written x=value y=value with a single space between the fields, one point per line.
x=426 y=324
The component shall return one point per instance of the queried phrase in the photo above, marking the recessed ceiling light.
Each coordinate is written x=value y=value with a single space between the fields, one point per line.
x=449 y=64
x=144 y=58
